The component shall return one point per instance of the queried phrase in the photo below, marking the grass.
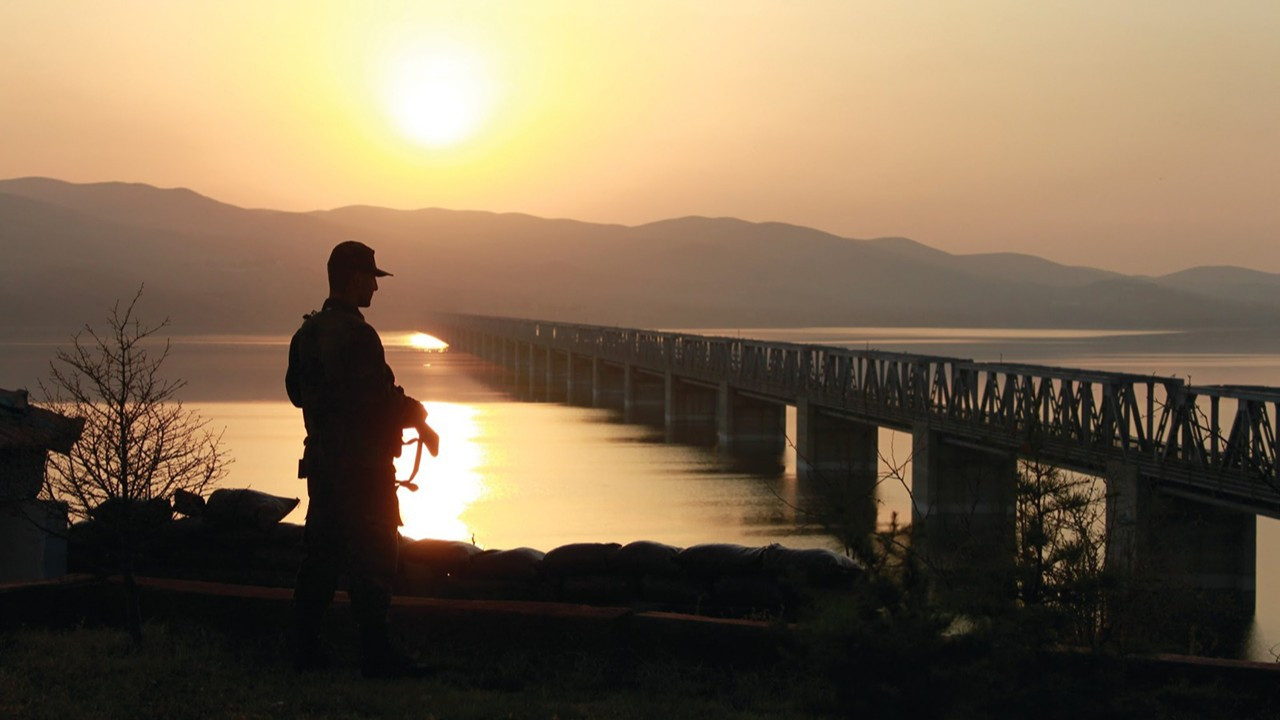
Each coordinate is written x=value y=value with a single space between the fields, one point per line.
x=195 y=672
x=853 y=659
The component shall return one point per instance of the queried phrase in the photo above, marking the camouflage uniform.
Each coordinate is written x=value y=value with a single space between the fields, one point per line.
x=354 y=413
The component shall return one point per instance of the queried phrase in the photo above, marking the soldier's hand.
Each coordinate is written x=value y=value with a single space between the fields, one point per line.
x=416 y=413
x=429 y=437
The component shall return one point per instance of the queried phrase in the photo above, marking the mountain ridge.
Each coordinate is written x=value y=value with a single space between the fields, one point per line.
x=222 y=268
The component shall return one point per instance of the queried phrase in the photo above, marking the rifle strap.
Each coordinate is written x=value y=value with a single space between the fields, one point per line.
x=417 y=462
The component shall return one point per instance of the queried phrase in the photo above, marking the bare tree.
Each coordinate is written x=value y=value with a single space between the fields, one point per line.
x=139 y=446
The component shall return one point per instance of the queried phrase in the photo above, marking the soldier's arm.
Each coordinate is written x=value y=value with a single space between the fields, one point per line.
x=295 y=377
x=374 y=388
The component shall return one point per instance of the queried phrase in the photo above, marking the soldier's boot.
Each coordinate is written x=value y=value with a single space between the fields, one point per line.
x=310 y=651
x=380 y=658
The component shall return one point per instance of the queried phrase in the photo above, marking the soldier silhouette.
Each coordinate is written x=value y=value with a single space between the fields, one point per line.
x=354 y=414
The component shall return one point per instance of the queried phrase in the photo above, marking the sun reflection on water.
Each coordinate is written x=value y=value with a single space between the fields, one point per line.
x=449 y=483
x=415 y=340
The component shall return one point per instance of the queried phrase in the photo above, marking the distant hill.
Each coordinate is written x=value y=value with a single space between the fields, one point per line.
x=1227 y=283
x=71 y=249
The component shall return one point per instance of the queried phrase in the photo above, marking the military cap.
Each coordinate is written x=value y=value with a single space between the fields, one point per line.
x=352 y=256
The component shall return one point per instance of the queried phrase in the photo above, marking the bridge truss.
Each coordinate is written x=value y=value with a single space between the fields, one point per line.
x=1213 y=443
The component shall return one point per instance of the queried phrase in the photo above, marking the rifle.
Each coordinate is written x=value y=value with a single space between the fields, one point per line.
x=426 y=437
x=431 y=439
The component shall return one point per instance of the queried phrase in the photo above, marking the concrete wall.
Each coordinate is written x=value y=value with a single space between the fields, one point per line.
x=33 y=539
x=21 y=473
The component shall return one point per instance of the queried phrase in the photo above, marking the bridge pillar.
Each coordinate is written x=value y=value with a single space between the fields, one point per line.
x=963 y=513
x=749 y=425
x=520 y=369
x=511 y=365
x=516 y=367
x=581 y=380
x=645 y=397
x=608 y=385
x=507 y=362
x=537 y=375
x=835 y=446
x=841 y=458
x=691 y=412
x=1186 y=570
x=557 y=375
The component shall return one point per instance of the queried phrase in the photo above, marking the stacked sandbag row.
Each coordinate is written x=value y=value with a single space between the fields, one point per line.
x=235 y=535
x=723 y=579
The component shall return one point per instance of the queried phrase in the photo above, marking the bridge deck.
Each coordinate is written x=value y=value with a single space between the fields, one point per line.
x=1215 y=443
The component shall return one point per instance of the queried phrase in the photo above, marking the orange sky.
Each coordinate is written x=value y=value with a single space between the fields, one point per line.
x=1141 y=136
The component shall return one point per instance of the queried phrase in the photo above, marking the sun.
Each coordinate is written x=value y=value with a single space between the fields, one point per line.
x=439 y=94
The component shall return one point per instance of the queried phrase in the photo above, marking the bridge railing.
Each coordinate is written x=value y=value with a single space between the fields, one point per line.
x=1217 y=439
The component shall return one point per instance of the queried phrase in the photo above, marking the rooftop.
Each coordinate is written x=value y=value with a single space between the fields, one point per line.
x=23 y=425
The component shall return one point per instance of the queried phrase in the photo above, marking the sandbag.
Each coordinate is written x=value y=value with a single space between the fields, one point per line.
x=288 y=534
x=471 y=588
x=415 y=579
x=188 y=503
x=90 y=533
x=599 y=588
x=645 y=557
x=138 y=515
x=674 y=591
x=194 y=546
x=281 y=539
x=748 y=592
x=444 y=557
x=818 y=566
x=185 y=532
x=277 y=558
x=90 y=547
x=247 y=508
x=580 y=559
x=715 y=559
x=518 y=564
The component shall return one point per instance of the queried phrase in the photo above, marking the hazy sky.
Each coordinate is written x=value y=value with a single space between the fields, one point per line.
x=1141 y=136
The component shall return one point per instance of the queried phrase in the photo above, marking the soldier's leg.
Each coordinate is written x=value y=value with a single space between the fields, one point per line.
x=323 y=559
x=373 y=568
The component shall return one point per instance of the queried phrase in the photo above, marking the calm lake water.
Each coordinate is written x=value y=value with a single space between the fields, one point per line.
x=513 y=474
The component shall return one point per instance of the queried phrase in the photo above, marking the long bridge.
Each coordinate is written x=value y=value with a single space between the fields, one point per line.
x=1202 y=458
